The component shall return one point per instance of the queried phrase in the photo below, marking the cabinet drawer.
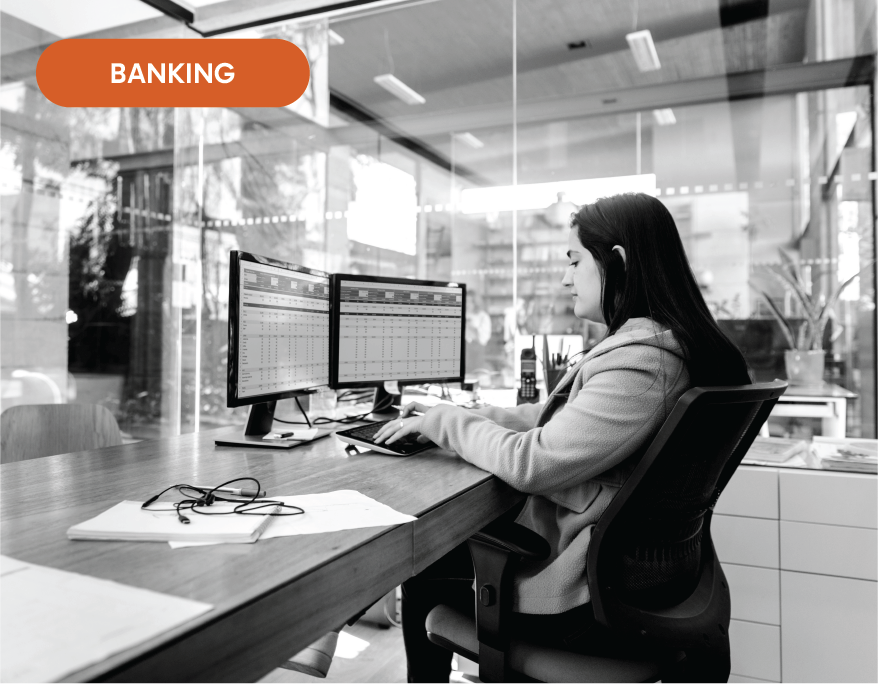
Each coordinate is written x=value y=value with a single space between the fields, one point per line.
x=755 y=650
x=829 y=628
x=752 y=492
x=755 y=593
x=743 y=680
x=746 y=541
x=829 y=550
x=849 y=499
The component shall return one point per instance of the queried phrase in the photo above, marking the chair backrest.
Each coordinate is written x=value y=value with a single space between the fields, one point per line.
x=35 y=430
x=652 y=569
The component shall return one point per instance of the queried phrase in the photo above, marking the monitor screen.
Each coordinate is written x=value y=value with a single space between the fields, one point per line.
x=396 y=329
x=278 y=329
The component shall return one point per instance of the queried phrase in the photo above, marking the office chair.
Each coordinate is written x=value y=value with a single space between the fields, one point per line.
x=656 y=584
x=35 y=430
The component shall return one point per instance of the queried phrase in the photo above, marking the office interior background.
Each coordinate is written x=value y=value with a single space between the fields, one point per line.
x=753 y=123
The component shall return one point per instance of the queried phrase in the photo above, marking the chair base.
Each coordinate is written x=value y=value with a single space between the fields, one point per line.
x=316 y=659
x=529 y=662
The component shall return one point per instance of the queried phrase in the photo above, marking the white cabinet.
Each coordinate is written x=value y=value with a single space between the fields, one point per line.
x=746 y=541
x=829 y=550
x=755 y=593
x=755 y=650
x=846 y=499
x=752 y=493
x=829 y=628
x=746 y=534
x=800 y=551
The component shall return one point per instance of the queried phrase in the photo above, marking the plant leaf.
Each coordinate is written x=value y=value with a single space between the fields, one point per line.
x=793 y=267
x=784 y=324
x=833 y=298
x=808 y=305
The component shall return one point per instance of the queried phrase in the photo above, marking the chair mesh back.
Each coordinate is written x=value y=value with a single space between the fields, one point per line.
x=655 y=543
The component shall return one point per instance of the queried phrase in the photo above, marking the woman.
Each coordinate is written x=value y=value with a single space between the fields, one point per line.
x=628 y=270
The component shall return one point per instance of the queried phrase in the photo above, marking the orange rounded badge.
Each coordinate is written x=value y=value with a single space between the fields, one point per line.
x=160 y=72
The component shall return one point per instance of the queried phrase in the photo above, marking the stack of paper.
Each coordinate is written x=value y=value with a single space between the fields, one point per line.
x=344 y=509
x=55 y=623
x=774 y=449
x=127 y=521
x=853 y=454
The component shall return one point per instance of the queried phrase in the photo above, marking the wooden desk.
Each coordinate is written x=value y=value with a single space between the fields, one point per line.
x=272 y=598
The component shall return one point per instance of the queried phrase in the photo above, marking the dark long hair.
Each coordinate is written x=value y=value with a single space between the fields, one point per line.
x=655 y=281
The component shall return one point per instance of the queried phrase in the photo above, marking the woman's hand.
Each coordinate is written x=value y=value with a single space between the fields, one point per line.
x=406 y=424
x=413 y=407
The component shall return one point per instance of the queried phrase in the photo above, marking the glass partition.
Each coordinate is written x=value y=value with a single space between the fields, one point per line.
x=449 y=140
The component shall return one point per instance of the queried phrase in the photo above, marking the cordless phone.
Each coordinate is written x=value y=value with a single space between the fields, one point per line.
x=528 y=393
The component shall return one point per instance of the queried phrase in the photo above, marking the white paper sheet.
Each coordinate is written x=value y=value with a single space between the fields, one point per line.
x=127 y=521
x=292 y=435
x=345 y=509
x=54 y=622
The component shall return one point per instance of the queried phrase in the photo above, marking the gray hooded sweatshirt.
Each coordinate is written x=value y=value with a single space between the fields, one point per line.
x=573 y=453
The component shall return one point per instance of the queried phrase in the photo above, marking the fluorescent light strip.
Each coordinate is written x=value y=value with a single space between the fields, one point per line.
x=399 y=89
x=334 y=38
x=469 y=139
x=664 y=117
x=643 y=49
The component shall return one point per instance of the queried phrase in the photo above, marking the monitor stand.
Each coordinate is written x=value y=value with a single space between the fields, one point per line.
x=383 y=403
x=260 y=423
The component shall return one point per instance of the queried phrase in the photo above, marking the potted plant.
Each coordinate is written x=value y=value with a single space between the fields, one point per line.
x=805 y=358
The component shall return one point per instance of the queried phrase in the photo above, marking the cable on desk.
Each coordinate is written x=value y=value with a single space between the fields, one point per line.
x=353 y=395
x=307 y=421
x=324 y=420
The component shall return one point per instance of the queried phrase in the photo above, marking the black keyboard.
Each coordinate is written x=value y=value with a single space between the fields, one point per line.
x=364 y=435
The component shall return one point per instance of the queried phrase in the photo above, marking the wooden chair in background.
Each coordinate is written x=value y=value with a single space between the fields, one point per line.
x=35 y=430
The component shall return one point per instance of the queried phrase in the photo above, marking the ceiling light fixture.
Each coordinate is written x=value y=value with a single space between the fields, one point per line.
x=469 y=139
x=664 y=117
x=335 y=39
x=178 y=9
x=643 y=49
x=397 y=88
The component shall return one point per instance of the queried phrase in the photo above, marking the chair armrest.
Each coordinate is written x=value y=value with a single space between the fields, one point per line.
x=514 y=538
x=495 y=551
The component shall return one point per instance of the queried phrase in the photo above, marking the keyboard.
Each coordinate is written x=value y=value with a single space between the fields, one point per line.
x=363 y=436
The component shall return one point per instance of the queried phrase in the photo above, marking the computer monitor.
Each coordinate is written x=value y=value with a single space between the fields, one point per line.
x=395 y=329
x=278 y=336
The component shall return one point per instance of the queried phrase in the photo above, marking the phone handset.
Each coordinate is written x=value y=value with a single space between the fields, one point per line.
x=528 y=392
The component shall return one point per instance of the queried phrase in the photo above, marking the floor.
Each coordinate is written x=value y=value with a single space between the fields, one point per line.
x=365 y=653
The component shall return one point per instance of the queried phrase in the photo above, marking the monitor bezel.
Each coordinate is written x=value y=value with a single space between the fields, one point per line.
x=235 y=259
x=334 y=327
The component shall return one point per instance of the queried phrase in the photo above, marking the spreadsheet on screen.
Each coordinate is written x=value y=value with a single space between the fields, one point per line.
x=389 y=331
x=284 y=330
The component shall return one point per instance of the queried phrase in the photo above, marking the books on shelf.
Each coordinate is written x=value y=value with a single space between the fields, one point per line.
x=775 y=449
x=851 y=454
x=127 y=521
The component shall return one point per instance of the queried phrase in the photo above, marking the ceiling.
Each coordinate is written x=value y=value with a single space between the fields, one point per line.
x=458 y=54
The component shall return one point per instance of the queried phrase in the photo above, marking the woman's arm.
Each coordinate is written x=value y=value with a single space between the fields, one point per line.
x=624 y=401
x=521 y=418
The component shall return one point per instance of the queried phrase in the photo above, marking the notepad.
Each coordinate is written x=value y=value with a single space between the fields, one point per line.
x=344 y=509
x=55 y=623
x=127 y=521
